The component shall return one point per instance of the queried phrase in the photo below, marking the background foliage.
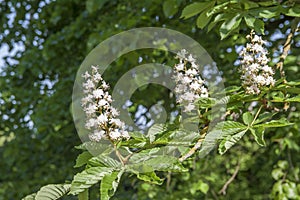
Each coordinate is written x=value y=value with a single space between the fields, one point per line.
x=37 y=135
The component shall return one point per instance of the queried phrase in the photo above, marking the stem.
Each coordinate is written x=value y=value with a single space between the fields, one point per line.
x=224 y=188
x=287 y=47
x=256 y=115
x=196 y=146
x=118 y=154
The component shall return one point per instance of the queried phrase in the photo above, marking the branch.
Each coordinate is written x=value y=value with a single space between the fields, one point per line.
x=287 y=46
x=224 y=188
x=196 y=146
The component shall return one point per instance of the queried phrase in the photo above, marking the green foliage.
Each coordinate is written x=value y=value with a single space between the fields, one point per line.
x=229 y=14
x=50 y=192
x=87 y=178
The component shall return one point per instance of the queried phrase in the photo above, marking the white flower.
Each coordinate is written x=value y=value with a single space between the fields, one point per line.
x=125 y=134
x=195 y=85
x=268 y=69
x=255 y=71
x=182 y=54
x=117 y=122
x=89 y=84
x=86 y=75
x=102 y=119
x=102 y=102
x=115 y=134
x=90 y=123
x=191 y=72
x=191 y=59
x=90 y=109
x=189 y=107
x=98 y=93
x=179 y=66
x=100 y=115
x=97 y=77
x=188 y=81
x=114 y=112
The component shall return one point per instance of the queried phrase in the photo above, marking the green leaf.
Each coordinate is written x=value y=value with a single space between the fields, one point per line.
x=221 y=131
x=263 y=117
x=293 y=90
x=247 y=118
x=150 y=177
x=199 y=186
x=195 y=8
x=228 y=26
x=220 y=17
x=231 y=89
x=94 y=5
x=146 y=161
x=154 y=130
x=250 y=21
x=87 y=178
x=83 y=158
x=138 y=136
x=268 y=13
x=104 y=161
x=283 y=164
x=290 y=189
x=258 y=134
x=294 y=11
x=53 y=191
x=170 y=8
x=254 y=23
x=275 y=123
x=30 y=197
x=229 y=141
x=218 y=8
x=84 y=195
x=259 y=26
x=109 y=184
x=229 y=127
x=203 y=20
x=294 y=99
x=203 y=187
x=277 y=173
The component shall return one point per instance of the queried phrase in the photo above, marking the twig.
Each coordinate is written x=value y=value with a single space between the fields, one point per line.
x=287 y=47
x=168 y=181
x=195 y=147
x=224 y=188
x=292 y=165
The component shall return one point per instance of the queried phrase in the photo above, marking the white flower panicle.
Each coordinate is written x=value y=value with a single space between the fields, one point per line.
x=189 y=85
x=101 y=117
x=255 y=72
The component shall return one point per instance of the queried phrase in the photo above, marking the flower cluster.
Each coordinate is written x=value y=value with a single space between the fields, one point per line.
x=189 y=85
x=254 y=65
x=101 y=117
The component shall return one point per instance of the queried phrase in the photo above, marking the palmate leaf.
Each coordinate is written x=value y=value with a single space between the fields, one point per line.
x=154 y=130
x=195 y=8
x=87 y=178
x=104 y=161
x=274 y=124
x=50 y=192
x=229 y=141
x=221 y=131
x=258 y=134
x=109 y=184
x=153 y=160
x=30 y=197
x=150 y=177
x=83 y=159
